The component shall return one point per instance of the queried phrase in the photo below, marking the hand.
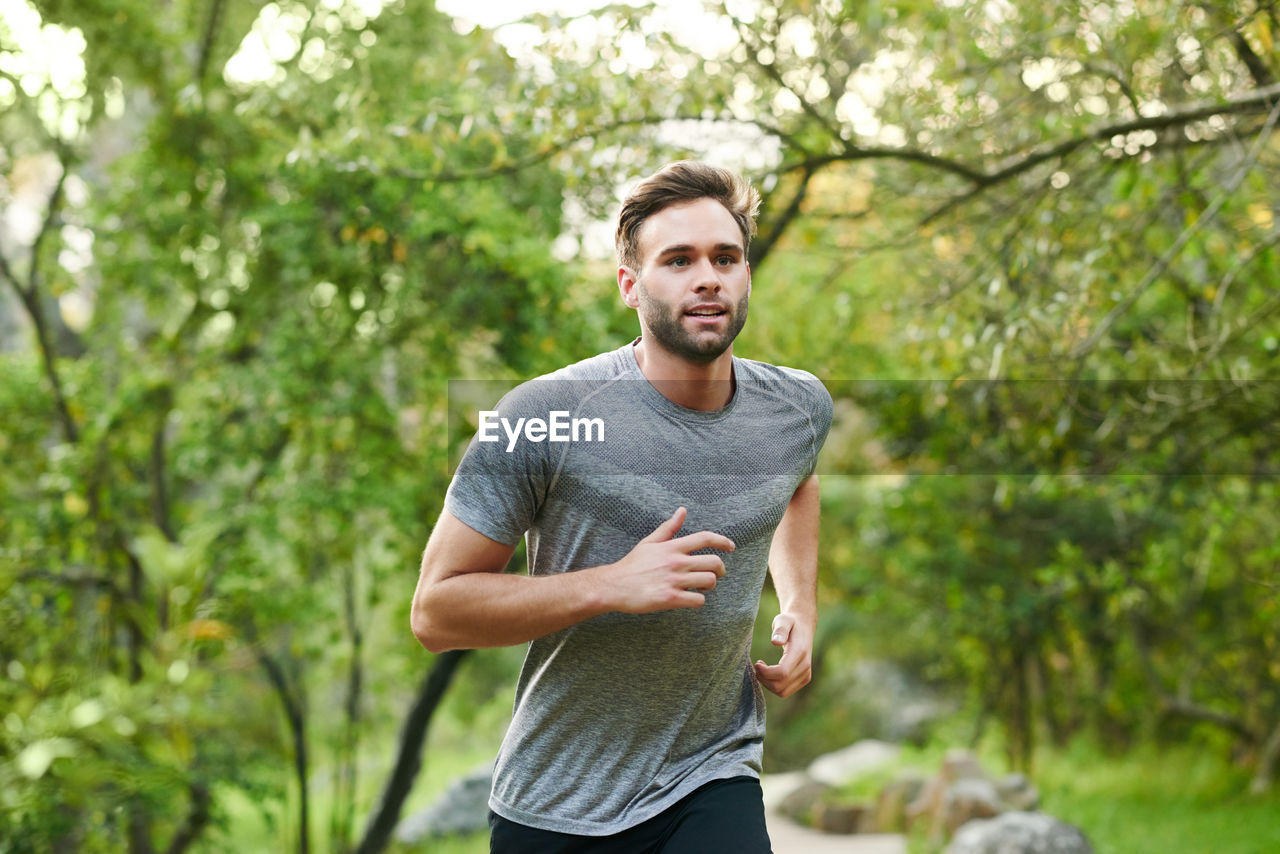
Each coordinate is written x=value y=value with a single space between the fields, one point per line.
x=795 y=669
x=660 y=573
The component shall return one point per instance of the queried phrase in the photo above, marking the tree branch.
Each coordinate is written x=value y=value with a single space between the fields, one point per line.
x=74 y=580
x=50 y=216
x=30 y=296
x=761 y=247
x=1257 y=249
x=1253 y=101
x=908 y=155
x=1258 y=69
x=511 y=167
x=212 y=24
x=159 y=493
x=772 y=72
x=1173 y=251
x=1194 y=711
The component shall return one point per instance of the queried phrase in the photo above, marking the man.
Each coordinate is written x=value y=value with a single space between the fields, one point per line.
x=639 y=719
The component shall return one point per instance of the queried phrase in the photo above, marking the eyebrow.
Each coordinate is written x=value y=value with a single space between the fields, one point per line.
x=685 y=247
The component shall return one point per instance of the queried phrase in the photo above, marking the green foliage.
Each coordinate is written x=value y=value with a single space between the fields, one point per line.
x=253 y=460
x=1149 y=801
x=214 y=489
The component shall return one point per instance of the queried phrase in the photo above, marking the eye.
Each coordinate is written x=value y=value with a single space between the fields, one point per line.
x=726 y=260
x=679 y=261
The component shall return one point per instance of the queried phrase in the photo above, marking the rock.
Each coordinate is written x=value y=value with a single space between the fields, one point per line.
x=1019 y=833
x=927 y=803
x=968 y=799
x=842 y=818
x=802 y=803
x=941 y=809
x=463 y=808
x=847 y=765
x=891 y=806
x=962 y=765
x=1017 y=792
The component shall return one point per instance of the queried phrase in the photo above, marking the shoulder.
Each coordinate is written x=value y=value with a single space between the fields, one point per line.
x=566 y=386
x=799 y=386
x=598 y=368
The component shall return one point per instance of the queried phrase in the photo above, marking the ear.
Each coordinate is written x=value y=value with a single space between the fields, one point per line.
x=748 y=280
x=627 y=280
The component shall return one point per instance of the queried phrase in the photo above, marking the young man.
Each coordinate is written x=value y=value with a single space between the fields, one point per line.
x=639 y=718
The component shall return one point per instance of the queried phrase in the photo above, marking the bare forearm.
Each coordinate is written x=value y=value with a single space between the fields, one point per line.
x=793 y=564
x=484 y=609
x=465 y=601
x=793 y=556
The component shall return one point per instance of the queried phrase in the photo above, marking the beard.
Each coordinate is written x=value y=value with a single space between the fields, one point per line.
x=666 y=324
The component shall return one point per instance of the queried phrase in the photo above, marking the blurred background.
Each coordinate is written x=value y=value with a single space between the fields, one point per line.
x=1031 y=248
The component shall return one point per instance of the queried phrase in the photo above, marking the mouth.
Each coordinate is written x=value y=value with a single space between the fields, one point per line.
x=706 y=313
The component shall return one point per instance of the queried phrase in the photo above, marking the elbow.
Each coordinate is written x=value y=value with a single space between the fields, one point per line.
x=426 y=628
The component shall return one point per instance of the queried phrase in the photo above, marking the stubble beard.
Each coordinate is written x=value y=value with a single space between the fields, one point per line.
x=665 y=324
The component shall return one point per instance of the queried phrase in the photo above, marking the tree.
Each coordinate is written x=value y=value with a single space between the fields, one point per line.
x=220 y=479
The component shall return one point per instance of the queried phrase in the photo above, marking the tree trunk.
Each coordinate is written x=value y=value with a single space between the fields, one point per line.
x=296 y=716
x=1021 y=737
x=342 y=820
x=1265 y=774
x=409 y=754
x=198 y=816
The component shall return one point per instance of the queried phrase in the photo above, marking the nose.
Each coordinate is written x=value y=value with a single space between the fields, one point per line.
x=708 y=278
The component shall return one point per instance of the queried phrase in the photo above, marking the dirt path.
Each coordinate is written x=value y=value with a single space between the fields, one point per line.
x=790 y=838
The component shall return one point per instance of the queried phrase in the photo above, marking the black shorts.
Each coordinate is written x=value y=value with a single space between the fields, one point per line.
x=723 y=815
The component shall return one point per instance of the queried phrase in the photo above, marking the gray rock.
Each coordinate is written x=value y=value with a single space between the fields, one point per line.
x=962 y=765
x=931 y=805
x=969 y=799
x=803 y=802
x=891 y=806
x=1019 y=833
x=463 y=808
x=842 y=818
x=1017 y=792
x=845 y=766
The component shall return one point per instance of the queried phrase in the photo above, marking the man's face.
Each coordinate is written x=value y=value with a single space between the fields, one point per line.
x=693 y=284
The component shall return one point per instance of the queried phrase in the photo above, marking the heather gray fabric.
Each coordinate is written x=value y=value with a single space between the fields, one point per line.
x=620 y=716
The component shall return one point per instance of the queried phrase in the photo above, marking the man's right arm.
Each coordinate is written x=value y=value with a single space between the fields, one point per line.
x=464 y=599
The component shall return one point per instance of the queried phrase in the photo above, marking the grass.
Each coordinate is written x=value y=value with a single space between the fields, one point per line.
x=477 y=843
x=1175 y=801
x=1182 y=800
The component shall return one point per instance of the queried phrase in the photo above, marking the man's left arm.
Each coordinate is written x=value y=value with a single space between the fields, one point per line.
x=793 y=563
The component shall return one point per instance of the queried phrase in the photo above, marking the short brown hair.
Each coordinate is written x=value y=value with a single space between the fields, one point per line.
x=684 y=181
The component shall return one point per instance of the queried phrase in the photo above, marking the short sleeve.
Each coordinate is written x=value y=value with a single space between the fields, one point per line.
x=822 y=412
x=503 y=478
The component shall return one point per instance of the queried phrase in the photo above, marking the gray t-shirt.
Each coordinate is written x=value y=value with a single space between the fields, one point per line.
x=618 y=717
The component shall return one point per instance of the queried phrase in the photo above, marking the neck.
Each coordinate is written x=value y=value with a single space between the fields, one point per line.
x=704 y=387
